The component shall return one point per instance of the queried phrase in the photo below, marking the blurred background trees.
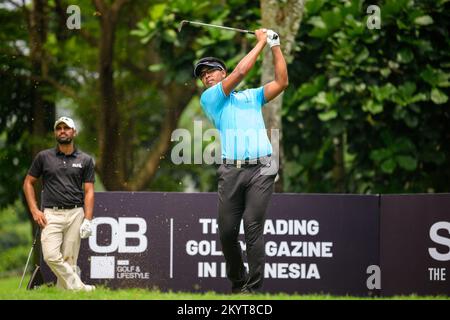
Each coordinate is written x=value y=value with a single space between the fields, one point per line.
x=366 y=110
x=369 y=111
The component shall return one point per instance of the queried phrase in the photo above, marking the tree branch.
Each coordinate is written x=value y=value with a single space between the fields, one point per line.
x=90 y=39
x=13 y=55
x=115 y=8
x=22 y=7
x=145 y=174
x=141 y=73
x=148 y=170
x=16 y=5
x=62 y=88
x=100 y=6
x=117 y=5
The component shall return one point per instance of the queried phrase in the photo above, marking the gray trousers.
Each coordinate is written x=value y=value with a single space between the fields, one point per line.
x=244 y=193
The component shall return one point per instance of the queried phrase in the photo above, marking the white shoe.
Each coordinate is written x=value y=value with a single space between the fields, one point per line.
x=88 y=287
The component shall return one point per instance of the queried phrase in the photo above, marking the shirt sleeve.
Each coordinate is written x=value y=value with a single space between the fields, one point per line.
x=89 y=171
x=212 y=101
x=259 y=95
x=36 y=167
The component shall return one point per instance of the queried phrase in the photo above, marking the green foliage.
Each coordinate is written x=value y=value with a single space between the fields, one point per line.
x=382 y=95
x=180 y=50
x=15 y=238
x=15 y=109
x=379 y=95
x=14 y=259
x=18 y=91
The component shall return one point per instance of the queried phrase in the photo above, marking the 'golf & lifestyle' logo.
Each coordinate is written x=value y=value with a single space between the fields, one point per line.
x=109 y=266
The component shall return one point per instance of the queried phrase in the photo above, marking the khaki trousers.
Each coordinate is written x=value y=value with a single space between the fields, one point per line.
x=60 y=241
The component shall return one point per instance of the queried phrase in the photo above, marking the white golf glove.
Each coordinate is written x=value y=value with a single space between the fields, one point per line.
x=86 y=229
x=273 y=39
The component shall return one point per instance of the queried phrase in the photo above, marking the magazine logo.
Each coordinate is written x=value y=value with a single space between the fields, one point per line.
x=437 y=232
x=120 y=235
x=110 y=235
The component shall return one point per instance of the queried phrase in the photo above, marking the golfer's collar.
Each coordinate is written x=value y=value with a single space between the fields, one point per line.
x=73 y=154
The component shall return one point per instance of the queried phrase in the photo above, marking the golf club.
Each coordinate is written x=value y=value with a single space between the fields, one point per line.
x=29 y=256
x=182 y=23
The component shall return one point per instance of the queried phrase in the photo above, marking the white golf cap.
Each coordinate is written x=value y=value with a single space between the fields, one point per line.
x=67 y=121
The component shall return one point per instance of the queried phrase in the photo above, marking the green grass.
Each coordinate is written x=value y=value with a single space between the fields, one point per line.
x=9 y=290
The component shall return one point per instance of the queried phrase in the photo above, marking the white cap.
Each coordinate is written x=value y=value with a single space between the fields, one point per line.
x=67 y=121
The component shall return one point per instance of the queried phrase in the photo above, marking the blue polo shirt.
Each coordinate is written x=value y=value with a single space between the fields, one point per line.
x=239 y=120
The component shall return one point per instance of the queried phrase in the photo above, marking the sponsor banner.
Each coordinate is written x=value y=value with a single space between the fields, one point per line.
x=313 y=243
x=415 y=244
x=170 y=241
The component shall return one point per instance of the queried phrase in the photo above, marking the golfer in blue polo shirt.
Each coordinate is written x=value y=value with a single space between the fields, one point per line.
x=244 y=187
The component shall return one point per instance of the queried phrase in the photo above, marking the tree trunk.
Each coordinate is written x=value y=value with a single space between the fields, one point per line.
x=339 y=166
x=179 y=97
x=284 y=18
x=43 y=112
x=111 y=161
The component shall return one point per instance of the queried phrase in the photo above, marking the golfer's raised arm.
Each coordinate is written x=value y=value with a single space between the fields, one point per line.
x=245 y=65
x=275 y=87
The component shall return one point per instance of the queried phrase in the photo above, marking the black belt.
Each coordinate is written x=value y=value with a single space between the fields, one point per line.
x=65 y=207
x=247 y=162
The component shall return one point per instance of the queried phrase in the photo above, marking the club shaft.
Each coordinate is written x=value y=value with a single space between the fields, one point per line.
x=29 y=256
x=26 y=266
x=219 y=27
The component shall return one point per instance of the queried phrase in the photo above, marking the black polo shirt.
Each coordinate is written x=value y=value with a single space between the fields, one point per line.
x=63 y=176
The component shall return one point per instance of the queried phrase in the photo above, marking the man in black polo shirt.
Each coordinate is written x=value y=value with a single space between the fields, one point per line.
x=68 y=200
